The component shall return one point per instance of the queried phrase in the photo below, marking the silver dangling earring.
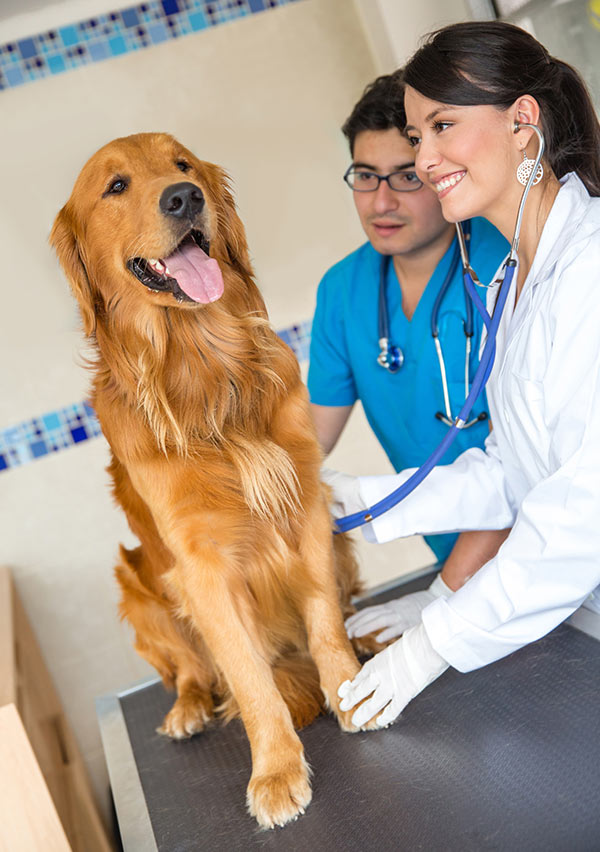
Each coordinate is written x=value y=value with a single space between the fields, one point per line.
x=525 y=169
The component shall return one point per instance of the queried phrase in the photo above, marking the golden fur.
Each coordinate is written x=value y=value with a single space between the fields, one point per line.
x=233 y=591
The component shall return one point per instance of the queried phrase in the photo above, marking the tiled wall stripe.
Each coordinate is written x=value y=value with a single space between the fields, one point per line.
x=61 y=429
x=113 y=34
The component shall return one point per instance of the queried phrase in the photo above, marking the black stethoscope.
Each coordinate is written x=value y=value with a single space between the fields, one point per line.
x=391 y=357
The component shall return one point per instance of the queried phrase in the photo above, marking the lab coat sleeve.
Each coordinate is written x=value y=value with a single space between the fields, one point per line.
x=550 y=562
x=469 y=494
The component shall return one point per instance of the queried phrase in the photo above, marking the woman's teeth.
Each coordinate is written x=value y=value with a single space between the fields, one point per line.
x=449 y=181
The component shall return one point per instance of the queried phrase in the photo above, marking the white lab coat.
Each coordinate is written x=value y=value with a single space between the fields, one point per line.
x=540 y=471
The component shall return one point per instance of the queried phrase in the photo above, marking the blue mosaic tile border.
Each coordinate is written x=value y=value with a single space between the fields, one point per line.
x=116 y=33
x=47 y=434
x=59 y=430
x=297 y=338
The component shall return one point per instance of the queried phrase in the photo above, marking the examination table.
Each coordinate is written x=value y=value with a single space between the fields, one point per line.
x=503 y=758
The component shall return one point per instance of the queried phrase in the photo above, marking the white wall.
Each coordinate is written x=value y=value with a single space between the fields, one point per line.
x=393 y=28
x=264 y=97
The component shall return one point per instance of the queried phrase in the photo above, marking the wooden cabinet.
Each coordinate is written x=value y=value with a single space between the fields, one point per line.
x=46 y=802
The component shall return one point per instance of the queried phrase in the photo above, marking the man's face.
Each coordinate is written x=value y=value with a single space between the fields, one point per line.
x=396 y=223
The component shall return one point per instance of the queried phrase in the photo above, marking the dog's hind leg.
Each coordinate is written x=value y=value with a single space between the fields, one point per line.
x=168 y=643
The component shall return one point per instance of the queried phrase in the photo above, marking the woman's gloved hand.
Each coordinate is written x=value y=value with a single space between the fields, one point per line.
x=394 y=617
x=345 y=493
x=392 y=678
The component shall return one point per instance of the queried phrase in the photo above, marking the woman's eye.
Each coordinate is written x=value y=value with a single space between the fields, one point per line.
x=413 y=140
x=439 y=126
x=117 y=186
x=183 y=166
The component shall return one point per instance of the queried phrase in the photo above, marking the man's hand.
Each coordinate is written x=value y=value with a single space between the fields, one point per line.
x=392 y=678
x=396 y=616
x=345 y=493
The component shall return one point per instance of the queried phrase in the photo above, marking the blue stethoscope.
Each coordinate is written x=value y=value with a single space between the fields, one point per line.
x=391 y=357
x=486 y=361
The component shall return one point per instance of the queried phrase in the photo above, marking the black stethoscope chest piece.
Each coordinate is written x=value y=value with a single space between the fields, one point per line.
x=391 y=357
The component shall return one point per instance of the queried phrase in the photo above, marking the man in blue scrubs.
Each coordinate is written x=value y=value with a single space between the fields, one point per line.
x=402 y=220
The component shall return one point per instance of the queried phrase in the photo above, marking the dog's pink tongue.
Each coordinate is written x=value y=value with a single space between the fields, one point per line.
x=197 y=274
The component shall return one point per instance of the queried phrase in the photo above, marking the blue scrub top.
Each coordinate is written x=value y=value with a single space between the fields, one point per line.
x=401 y=406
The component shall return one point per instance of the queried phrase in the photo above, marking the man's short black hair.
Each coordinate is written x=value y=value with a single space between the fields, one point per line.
x=381 y=107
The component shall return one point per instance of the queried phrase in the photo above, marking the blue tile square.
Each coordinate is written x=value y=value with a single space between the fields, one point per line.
x=14 y=76
x=51 y=421
x=98 y=51
x=130 y=17
x=12 y=434
x=256 y=5
x=197 y=21
x=170 y=7
x=38 y=449
x=56 y=64
x=27 y=48
x=3 y=462
x=79 y=434
x=117 y=45
x=69 y=36
x=157 y=33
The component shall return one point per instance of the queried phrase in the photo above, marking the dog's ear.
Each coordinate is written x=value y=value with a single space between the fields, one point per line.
x=231 y=230
x=237 y=244
x=64 y=241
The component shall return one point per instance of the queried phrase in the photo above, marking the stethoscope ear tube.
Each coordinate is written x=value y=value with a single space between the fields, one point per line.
x=484 y=369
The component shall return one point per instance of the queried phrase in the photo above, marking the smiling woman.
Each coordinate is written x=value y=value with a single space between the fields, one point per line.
x=478 y=96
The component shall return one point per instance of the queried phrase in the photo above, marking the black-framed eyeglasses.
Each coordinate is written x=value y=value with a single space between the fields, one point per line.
x=362 y=180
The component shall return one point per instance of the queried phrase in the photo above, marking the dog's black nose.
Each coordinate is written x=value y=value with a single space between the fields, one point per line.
x=182 y=200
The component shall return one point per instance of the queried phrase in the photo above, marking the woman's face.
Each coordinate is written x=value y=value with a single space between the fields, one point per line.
x=467 y=154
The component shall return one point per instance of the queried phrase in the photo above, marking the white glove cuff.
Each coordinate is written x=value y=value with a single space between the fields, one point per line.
x=422 y=660
x=439 y=588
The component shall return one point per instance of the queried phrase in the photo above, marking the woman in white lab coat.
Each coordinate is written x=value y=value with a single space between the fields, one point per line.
x=466 y=90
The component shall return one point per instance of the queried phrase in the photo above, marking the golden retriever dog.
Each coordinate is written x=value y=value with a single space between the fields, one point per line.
x=235 y=594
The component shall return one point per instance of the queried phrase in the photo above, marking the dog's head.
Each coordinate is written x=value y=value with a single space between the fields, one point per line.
x=148 y=220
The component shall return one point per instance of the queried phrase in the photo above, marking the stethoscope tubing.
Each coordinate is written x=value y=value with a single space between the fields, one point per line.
x=486 y=364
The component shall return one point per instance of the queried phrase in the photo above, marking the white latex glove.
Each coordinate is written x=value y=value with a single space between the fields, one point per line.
x=394 y=617
x=394 y=676
x=345 y=493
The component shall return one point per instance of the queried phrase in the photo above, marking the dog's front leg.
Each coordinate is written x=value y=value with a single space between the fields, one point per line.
x=208 y=584
x=213 y=596
x=328 y=643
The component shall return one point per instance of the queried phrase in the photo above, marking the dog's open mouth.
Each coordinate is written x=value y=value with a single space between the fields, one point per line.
x=188 y=273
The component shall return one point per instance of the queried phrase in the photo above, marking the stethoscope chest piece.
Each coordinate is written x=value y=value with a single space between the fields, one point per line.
x=390 y=357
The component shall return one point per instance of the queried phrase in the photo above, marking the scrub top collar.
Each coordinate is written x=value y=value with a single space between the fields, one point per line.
x=422 y=313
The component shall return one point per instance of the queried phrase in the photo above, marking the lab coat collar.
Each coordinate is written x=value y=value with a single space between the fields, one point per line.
x=561 y=228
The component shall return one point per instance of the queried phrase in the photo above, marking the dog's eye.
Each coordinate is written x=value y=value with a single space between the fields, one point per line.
x=183 y=166
x=118 y=185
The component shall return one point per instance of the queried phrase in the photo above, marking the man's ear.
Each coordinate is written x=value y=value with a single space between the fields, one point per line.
x=64 y=241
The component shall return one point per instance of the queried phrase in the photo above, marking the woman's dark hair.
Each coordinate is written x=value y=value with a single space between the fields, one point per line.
x=492 y=62
x=380 y=107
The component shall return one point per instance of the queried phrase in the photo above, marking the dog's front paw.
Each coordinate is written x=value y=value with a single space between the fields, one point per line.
x=279 y=797
x=189 y=715
x=367 y=646
x=344 y=718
